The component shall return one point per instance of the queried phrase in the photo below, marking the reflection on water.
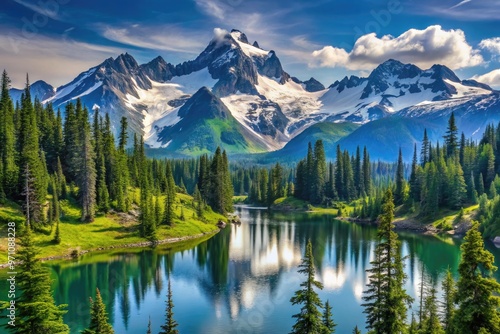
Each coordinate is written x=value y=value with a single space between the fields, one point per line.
x=241 y=280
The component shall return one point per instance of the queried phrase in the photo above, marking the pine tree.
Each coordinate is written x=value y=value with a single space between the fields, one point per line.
x=170 y=326
x=431 y=323
x=356 y=330
x=339 y=174
x=367 y=172
x=328 y=319
x=399 y=194
x=425 y=151
x=169 y=214
x=477 y=305
x=9 y=172
x=318 y=181
x=385 y=299
x=451 y=137
x=309 y=317
x=98 y=317
x=414 y=181
x=449 y=291
x=36 y=310
x=87 y=178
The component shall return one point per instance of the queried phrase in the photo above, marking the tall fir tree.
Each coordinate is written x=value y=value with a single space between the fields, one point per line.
x=86 y=179
x=328 y=322
x=386 y=299
x=36 y=309
x=449 y=291
x=98 y=317
x=477 y=291
x=425 y=151
x=9 y=170
x=399 y=193
x=451 y=137
x=168 y=213
x=170 y=326
x=309 y=318
x=318 y=181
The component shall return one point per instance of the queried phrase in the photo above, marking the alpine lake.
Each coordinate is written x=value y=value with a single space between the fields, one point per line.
x=241 y=279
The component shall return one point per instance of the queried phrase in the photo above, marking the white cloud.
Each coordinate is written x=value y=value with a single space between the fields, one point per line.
x=491 y=78
x=165 y=38
x=424 y=48
x=213 y=8
x=491 y=44
x=460 y=4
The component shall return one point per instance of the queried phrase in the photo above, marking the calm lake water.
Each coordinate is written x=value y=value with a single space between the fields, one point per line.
x=241 y=280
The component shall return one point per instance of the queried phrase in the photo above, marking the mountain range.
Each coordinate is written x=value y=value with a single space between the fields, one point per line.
x=237 y=95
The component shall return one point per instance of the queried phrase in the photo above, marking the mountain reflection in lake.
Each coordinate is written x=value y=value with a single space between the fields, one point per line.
x=241 y=280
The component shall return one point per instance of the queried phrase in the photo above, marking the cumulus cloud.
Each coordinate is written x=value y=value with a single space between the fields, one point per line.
x=491 y=78
x=491 y=44
x=424 y=48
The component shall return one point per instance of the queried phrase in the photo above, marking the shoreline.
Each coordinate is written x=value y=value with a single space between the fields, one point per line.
x=142 y=244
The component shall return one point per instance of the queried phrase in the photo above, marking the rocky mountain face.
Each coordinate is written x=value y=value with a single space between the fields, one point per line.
x=239 y=96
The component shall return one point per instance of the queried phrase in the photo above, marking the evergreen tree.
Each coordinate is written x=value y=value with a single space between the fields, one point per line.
x=29 y=151
x=318 y=173
x=449 y=291
x=451 y=137
x=425 y=151
x=385 y=299
x=431 y=323
x=477 y=305
x=170 y=326
x=57 y=234
x=149 y=327
x=169 y=213
x=339 y=174
x=98 y=317
x=367 y=172
x=36 y=310
x=328 y=322
x=356 y=330
x=400 y=181
x=309 y=317
x=9 y=171
x=414 y=181
x=87 y=178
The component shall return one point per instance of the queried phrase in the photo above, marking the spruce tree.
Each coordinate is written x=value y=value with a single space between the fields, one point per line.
x=36 y=310
x=87 y=177
x=98 y=317
x=367 y=172
x=449 y=291
x=451 y=137
x=328 y=319
x=356 y=330
x=476 y=288
x=425 y=151
x=309 y=318
x=318 y=180
x=399 y=193
x=431 y=323
x=8 y=154
x=385 y=299
x=169 y=214
x=170 y=326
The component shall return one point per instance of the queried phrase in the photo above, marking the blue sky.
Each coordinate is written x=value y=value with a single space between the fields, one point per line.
x=55 y=40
